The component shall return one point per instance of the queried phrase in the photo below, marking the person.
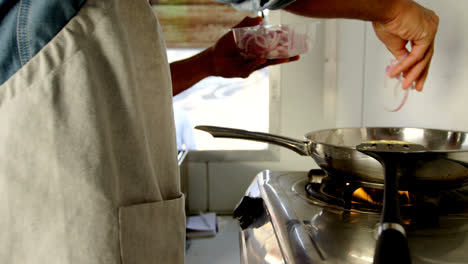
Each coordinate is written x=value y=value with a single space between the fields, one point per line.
x=89 y=171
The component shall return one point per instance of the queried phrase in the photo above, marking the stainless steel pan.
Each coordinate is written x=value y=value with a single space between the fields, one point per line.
x=444 y=162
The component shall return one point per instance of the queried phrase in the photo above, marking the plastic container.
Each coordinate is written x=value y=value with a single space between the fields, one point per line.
x=275 y=41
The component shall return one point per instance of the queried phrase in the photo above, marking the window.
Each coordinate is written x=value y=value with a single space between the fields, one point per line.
x=234 y=102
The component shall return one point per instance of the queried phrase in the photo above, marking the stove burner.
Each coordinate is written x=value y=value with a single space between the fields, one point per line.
x=368 y=197
x=349 y=195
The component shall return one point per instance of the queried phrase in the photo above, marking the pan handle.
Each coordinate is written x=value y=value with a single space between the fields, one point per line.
x=298 y=146
x=392 y=246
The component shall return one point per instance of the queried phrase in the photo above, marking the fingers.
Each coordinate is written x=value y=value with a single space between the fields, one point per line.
x=249 y=22
x=422 y=77
x=271 y=62
x=420 y=81
x=279 y=61
x=261 y=63
x=417 y=54
x=415 y=66
x=253 y=66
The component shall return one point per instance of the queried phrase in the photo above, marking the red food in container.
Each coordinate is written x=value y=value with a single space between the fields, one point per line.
x=275 y=41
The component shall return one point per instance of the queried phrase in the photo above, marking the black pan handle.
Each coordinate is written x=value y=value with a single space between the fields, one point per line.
x=391 y=205
x=392 y=245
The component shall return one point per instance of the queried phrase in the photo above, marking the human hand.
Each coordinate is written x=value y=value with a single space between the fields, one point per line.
x=417 y=25
x=228 y=61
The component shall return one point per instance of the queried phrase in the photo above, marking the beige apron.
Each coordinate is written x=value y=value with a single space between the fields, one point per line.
x=88 y=169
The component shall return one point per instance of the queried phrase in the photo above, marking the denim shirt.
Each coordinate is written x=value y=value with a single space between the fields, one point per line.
x=26 y=26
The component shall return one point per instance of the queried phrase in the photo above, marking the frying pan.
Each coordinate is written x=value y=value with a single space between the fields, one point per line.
x=443 y=163
x=400 y=157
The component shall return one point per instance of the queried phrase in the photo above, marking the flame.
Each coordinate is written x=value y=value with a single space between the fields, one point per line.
x=361 y=195
x=406 y=194
x=369 y=196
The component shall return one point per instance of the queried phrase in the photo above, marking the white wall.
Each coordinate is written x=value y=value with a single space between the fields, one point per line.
x=350 y=72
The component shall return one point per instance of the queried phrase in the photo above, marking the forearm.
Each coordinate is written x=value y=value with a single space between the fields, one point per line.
x=370 y=10
x=186 y=73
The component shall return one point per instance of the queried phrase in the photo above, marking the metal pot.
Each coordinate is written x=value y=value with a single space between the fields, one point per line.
x=443 y=164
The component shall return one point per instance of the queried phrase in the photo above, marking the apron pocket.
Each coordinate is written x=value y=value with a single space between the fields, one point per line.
x=153 y=232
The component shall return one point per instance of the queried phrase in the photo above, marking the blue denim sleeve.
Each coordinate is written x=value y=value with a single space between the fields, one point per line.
x=258 y=5
x=26 y=26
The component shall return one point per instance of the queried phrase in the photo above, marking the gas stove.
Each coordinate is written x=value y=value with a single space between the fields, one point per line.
x=306 y=217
